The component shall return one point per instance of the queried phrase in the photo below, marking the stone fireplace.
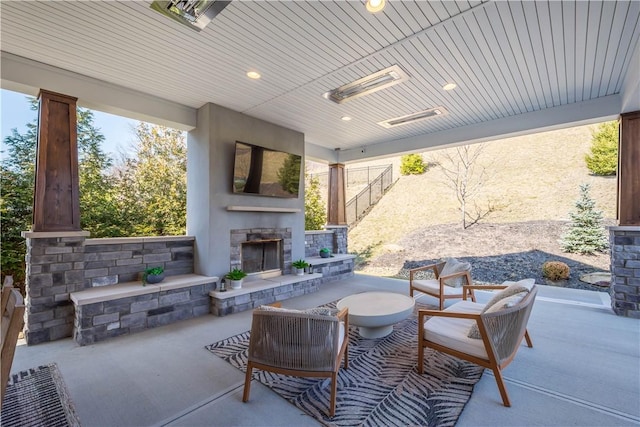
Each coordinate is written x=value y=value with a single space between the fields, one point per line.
x=262 y=252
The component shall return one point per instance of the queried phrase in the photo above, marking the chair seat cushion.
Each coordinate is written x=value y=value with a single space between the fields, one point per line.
x=452 y=333
x=432 y=287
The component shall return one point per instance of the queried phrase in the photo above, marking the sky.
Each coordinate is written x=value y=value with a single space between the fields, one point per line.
x=16 y=113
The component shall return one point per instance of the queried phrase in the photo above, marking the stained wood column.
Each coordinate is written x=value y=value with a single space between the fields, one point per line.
x=629 y=169
x=56 y=205
x=336 y=209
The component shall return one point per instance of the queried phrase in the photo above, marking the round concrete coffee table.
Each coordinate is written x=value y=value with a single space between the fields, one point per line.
x=376 y=312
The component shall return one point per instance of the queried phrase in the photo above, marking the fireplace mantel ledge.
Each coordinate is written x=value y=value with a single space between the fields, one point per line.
x=262 y=209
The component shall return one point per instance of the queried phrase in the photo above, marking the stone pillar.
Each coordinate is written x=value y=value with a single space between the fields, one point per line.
x=625 y=271
x=55 y=268
x=340 y=238
x=336 y=205
x=625 y=238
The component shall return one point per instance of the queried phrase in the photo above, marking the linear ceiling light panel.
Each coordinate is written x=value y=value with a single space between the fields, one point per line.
x=411 y=118
x=366 y=85
x=195 y=14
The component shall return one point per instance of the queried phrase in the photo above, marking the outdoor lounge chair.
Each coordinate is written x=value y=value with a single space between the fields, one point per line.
x=450 y=276
x=308 y=343
x=12 y=323
x=497 y=330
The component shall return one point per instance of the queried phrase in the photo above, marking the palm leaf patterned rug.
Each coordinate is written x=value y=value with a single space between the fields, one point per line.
x=381 y=386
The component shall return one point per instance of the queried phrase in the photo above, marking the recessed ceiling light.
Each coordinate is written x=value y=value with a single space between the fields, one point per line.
x=345 y=118
x=449 y=86
x=374 y=6
x=253 y=75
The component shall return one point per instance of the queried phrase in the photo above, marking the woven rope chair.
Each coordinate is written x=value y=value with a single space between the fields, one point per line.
x=437 y=287
x=502 y=332
x=12 y=324
x=299 y=344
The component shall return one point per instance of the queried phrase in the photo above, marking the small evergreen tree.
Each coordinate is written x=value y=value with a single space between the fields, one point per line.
x=412 y=164
x=586 y=234
x=315 y=212
x=603 y=159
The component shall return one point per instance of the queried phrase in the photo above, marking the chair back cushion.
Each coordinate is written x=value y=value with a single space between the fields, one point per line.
x=453 y=266
x=513 y=289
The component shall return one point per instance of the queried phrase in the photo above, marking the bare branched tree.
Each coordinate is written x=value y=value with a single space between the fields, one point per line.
x=466 y=178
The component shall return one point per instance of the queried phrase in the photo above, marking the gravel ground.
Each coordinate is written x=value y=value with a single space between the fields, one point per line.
x=497 y=252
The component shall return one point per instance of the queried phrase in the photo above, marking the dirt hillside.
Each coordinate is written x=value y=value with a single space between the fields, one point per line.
x=533 y=178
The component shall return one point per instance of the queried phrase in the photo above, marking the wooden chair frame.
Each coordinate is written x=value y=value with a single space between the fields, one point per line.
x=496 y=361
x=437 y=268
x=12 y=324
x=342 y=352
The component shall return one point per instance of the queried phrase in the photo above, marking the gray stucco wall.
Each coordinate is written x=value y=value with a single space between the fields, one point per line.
x=210 y=158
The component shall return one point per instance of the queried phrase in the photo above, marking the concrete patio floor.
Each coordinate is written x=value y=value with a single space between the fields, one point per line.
x=584 y=369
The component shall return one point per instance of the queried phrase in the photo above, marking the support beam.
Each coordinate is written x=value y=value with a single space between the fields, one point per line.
x=336 y=209
x=629 y=170
x=56 y=203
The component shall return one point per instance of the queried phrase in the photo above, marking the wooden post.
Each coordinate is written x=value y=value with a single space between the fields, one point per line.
x=336 y=209
x=56 y=204
x=629 y=169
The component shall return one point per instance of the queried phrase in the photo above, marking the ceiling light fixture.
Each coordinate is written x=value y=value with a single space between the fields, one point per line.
x=449 y=86
x=195 y=14
x=411 y=118
x=366 y=85
x=253 y=75
x=375 y=6
x=345 y=118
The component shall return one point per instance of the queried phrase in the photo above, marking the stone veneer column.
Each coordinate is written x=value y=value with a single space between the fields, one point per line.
x=340 y=238
x=625 y=270
x=55 y=268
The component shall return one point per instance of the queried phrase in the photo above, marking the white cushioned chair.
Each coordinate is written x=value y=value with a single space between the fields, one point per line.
x=449 y=278
x=501 y=327
x=299 y=343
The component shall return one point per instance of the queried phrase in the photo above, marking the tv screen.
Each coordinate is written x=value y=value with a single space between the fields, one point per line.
x=265 y=172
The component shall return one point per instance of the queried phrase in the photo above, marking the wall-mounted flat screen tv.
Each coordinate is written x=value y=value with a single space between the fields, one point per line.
x=265 y=172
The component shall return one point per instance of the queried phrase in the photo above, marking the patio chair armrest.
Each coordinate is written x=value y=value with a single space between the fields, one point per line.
x=470 y=288
x=456 y=314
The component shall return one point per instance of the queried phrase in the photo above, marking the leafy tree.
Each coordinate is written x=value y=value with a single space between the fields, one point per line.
x=315 y=211
x=152 y=188
x=466 y=178
x=412 y=164
x=17 y=171
x=289 y=174
x=603 y=159
x=97 y=193
x=586 y=234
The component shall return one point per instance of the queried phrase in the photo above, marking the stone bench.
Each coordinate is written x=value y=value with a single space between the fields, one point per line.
x=108 y=311
x=256 y=292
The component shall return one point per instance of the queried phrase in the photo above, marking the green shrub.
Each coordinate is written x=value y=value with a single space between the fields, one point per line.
x=412 y=164
x=555 y=270
x=603 y=159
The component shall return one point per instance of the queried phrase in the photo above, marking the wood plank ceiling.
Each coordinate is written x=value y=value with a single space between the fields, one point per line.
x=507 y=58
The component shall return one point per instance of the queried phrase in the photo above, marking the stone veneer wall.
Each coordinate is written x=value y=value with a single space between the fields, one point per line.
x=333 y=237
x=59 y=263
x=103 y=320
x=625 y=270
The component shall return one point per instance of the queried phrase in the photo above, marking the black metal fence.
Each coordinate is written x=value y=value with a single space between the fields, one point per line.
x=358 y=206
